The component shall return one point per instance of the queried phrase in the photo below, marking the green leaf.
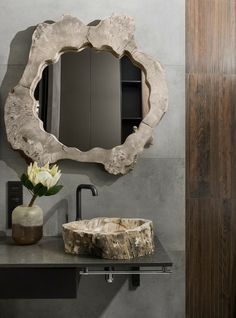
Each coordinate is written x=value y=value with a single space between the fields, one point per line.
x=40 y=189
x=26 y=182
x=54 y=190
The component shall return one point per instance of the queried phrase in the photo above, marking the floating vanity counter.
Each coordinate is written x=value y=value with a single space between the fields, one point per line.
x=44 y=270
x=111 y=238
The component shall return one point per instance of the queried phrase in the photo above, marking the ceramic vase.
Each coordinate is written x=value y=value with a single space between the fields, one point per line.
x=27 y=224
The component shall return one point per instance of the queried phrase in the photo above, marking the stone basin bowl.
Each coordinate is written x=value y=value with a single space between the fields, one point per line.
x=111 y=238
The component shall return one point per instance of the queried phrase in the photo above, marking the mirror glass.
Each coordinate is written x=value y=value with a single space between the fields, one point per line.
x=92 y=99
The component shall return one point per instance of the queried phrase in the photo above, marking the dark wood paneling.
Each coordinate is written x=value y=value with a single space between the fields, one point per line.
x=199 y=137
x=211 y=36
x=210 y=242
x=211 y=145
x=211 y=158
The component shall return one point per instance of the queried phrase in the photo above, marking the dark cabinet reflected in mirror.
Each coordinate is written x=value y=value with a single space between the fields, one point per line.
x=92 y=99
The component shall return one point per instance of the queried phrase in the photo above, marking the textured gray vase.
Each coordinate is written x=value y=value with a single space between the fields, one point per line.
x=27 y=224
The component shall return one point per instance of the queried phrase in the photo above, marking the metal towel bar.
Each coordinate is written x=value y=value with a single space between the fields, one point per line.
x=162 y=270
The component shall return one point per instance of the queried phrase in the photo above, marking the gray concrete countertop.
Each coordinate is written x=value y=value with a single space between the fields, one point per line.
x=49 y=252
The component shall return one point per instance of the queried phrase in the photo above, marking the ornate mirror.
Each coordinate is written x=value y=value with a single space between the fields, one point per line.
x=87 y=94
x=92 y=99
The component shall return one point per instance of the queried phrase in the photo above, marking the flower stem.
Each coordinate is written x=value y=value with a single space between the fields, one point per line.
x=32 y=200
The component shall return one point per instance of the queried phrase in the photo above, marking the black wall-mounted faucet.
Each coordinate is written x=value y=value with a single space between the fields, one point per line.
x=78 y=197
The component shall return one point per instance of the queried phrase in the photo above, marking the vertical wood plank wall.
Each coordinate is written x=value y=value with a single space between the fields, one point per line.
x=211 y=158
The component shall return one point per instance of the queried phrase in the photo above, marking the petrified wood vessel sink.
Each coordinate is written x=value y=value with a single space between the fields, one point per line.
x=111 y=238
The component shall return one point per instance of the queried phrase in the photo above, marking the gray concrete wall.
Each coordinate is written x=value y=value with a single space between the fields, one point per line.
x=155 y=189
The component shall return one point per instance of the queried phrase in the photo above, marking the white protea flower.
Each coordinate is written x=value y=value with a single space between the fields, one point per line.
x=41 y=181
x=44 y=175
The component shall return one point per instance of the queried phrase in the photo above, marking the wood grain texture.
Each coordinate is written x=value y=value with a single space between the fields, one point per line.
x=210 y=36
x=211 y=258
x=211 y=135
x=211 y=159
x=110 y=238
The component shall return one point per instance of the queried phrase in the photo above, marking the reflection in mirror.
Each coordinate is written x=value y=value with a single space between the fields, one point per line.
x=92 y=99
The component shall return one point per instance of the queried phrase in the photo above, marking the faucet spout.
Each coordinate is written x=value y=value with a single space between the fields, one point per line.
x=78 y=197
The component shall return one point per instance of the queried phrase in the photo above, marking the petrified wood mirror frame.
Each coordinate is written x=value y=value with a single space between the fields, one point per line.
x=116 y=33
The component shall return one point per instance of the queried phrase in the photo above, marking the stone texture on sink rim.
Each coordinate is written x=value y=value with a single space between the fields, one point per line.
x=110 y=238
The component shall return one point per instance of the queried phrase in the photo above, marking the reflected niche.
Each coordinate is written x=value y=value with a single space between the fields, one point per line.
x=92 y=99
